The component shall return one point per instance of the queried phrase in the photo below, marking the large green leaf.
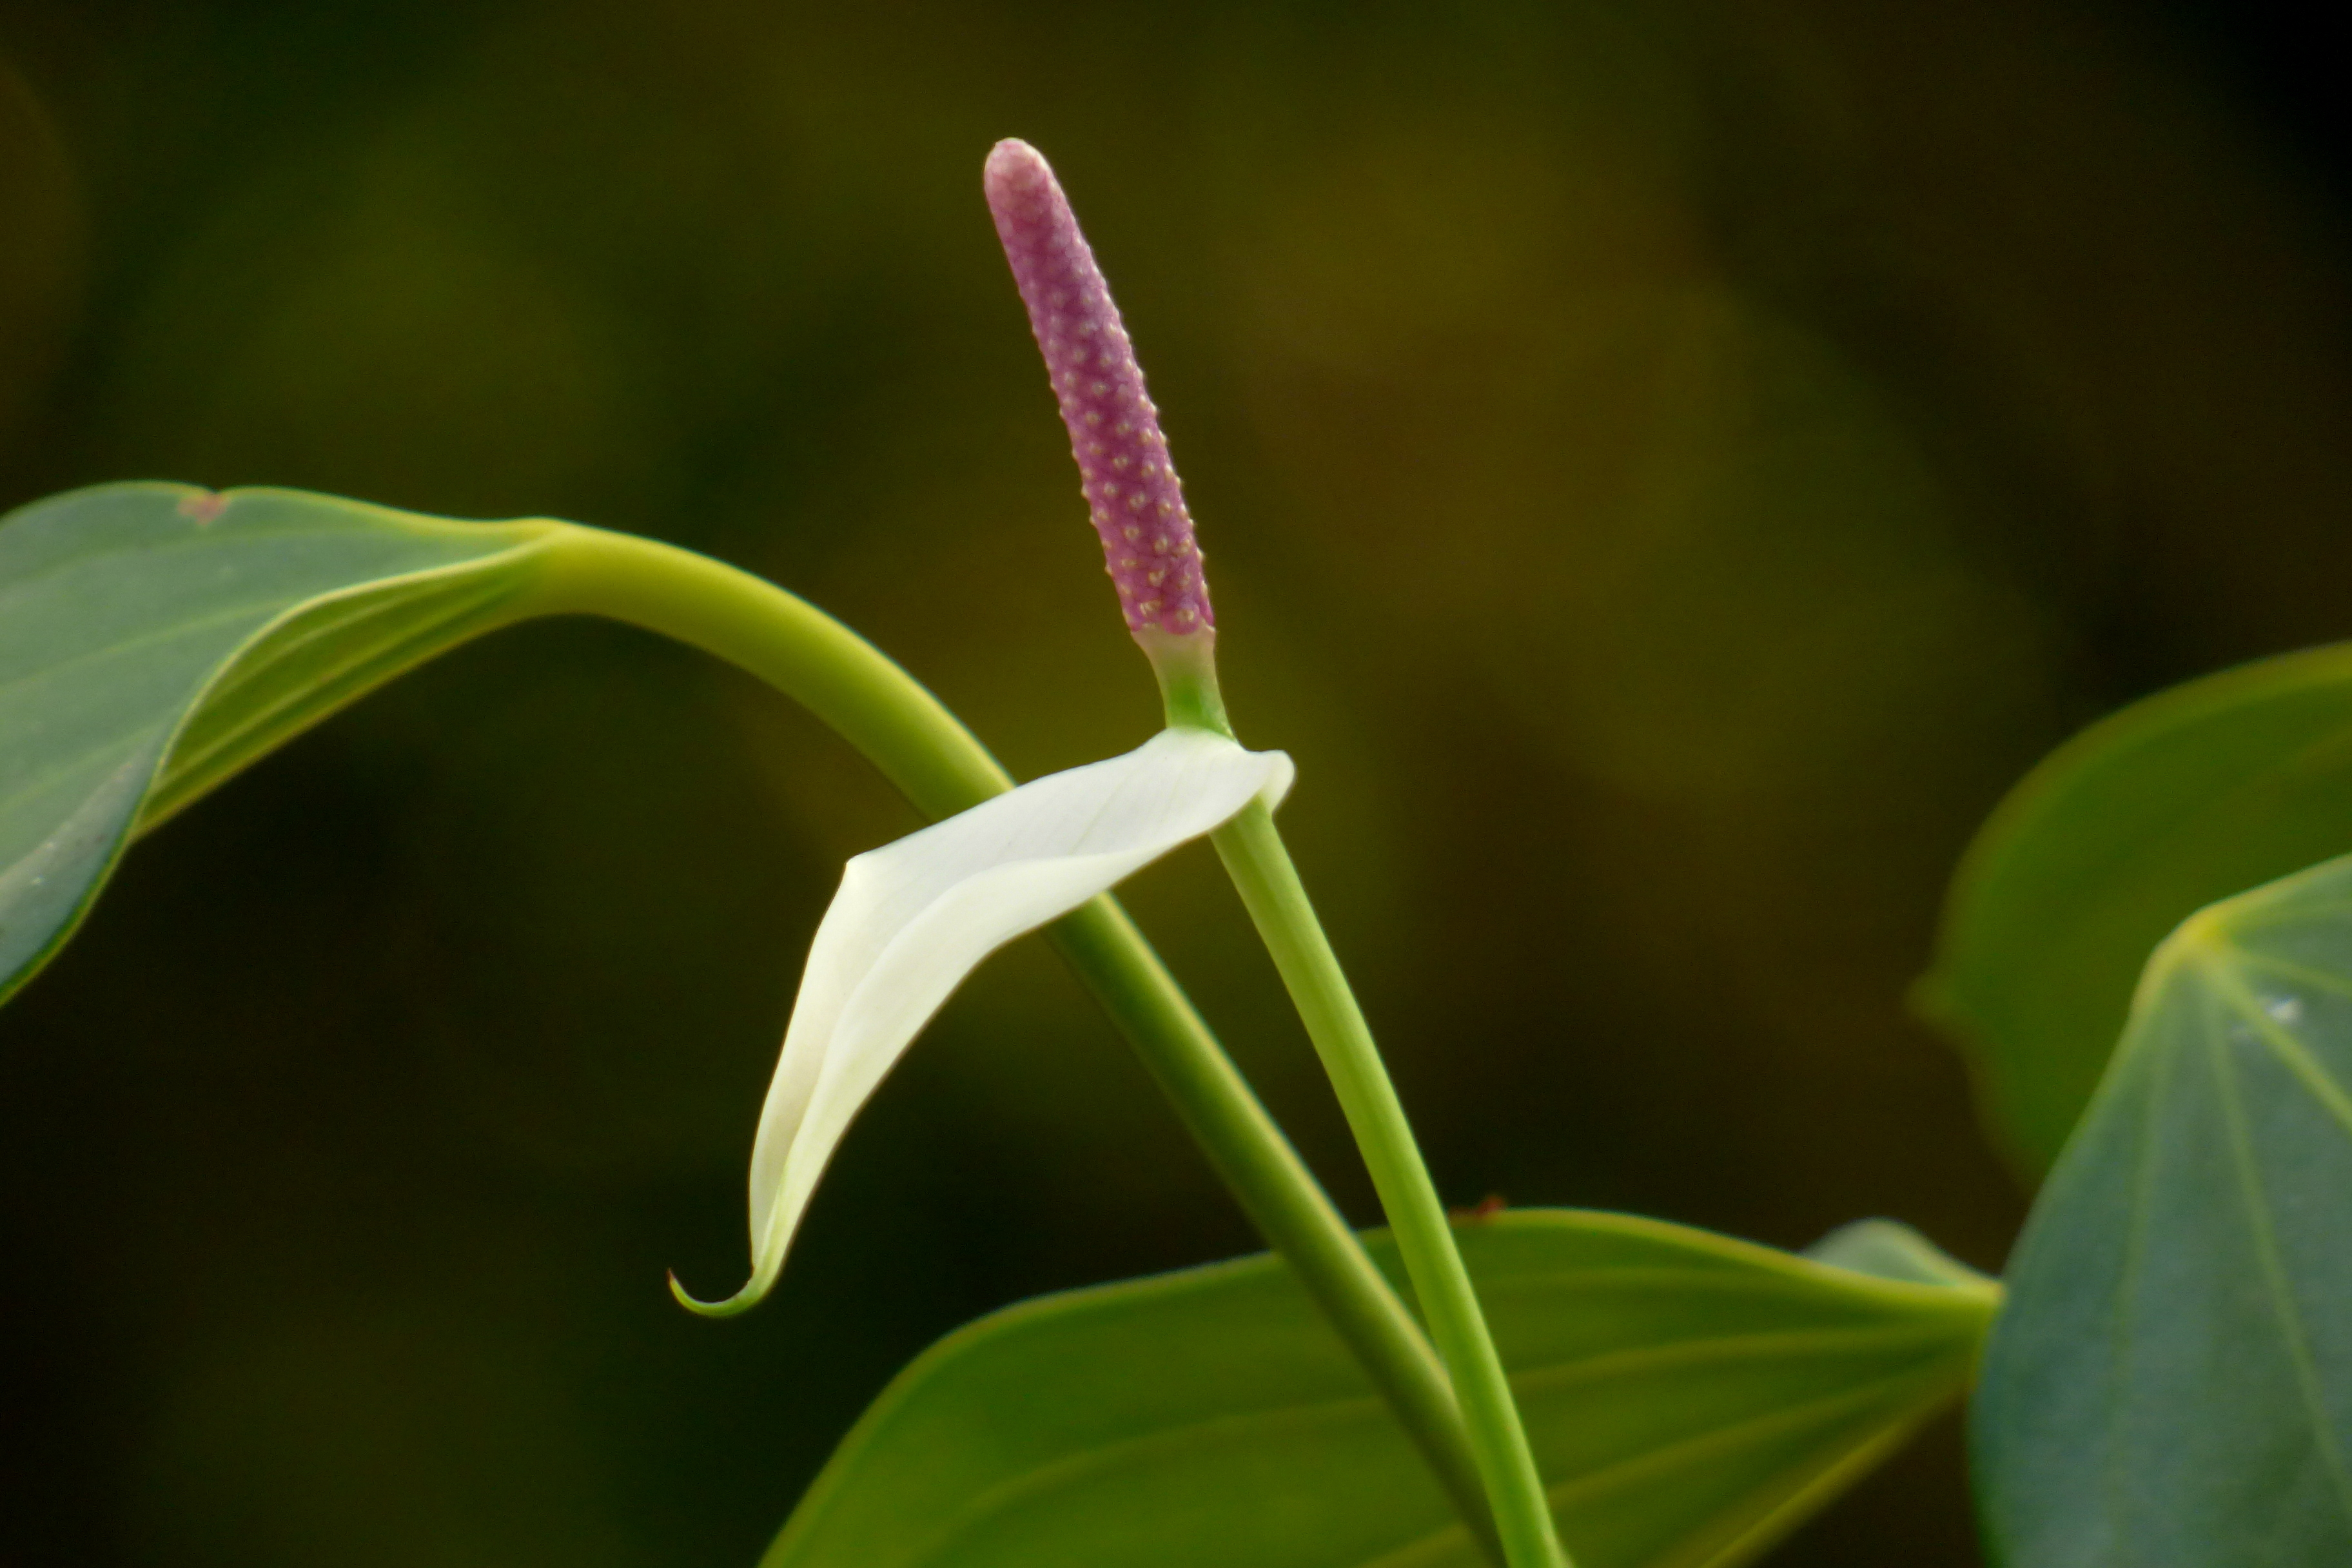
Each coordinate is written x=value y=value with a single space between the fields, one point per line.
x=1689 y=1398
x=2171 y=1384
x=154 y=638
x=2196 y=793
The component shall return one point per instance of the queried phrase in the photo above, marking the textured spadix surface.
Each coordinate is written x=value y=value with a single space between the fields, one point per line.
x=1131 y=486
x=912 y=919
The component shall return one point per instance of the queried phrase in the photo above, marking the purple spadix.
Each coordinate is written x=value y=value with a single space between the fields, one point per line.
x=1131 y=486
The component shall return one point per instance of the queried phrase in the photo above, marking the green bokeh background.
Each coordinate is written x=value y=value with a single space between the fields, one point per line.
x=1666 y=467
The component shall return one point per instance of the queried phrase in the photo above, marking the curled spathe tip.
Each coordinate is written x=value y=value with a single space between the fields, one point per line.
x=754 y=1292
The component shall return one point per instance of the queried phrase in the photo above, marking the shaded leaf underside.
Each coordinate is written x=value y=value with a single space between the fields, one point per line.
x=154 y=638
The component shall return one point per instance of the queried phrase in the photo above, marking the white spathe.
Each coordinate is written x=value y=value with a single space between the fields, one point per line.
x=913 y=918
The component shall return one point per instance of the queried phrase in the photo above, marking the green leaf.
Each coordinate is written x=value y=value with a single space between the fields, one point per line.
x=155 y=638
x=2171 y=1383
x=2121 y=833
x=1689 y=1398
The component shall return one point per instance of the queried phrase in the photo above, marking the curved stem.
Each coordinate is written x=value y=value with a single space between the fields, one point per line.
x=785 y=641
x=1261 y=868
x=942 y=769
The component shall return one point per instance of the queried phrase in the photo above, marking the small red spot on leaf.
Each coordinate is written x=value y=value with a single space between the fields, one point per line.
x=1485 y=1208
x=204 y=507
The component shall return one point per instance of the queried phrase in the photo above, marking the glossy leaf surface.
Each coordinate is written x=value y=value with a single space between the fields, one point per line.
x=2171 y=1384
x=1689 y=1398
x=2191 y=796
x=154 y=638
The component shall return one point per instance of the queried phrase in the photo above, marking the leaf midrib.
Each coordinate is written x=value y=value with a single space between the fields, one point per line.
x=2275 y=1274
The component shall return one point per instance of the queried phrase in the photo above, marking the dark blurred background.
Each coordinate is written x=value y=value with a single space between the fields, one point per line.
x=1667 y=466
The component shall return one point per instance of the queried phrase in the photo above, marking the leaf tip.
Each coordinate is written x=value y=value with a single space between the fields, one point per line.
x=1888 y=1249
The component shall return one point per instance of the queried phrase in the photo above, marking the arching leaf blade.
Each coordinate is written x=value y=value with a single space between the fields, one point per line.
x=155 y=637
x=2172 y=1380
x=1689 y=1398
x=2188 y=797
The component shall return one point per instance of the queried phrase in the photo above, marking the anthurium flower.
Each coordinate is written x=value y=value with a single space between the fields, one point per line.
x=913 y=918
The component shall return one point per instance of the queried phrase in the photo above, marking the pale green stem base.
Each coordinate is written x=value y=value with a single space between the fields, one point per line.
x=942 y=769
x=1260 y=866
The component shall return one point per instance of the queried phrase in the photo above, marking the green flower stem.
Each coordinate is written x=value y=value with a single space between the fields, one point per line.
x=1281 y=1196
x=1260 y=866
x=943 y=769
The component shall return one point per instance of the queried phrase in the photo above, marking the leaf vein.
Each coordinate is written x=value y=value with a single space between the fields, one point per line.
x=2281 y=1289
x=113 y=649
